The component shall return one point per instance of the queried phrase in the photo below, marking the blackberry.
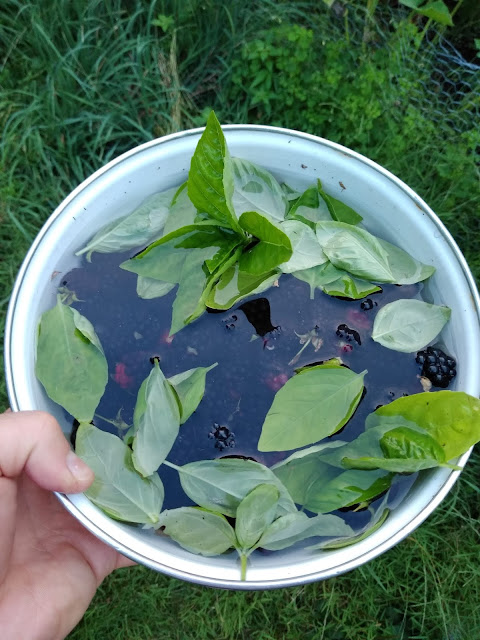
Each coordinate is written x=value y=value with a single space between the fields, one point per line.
x=367 y=305
x=437 y=366
x=345 y=333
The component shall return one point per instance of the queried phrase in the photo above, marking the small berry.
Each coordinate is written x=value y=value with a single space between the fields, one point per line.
x=437 y=366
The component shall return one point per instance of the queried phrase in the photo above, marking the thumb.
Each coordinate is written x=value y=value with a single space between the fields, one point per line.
x=32 y=441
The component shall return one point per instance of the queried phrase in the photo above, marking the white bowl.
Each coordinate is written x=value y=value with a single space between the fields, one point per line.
x=390 y=209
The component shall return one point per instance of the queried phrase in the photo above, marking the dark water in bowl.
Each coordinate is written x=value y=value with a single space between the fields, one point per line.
x=252 y=343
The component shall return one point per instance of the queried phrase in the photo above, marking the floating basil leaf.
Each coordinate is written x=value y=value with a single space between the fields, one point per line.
x=408 y=325
x=149 y=288
x=235 y=285
x=364 y=255
x=156 y=420
x=255 y=189
x=285 y=531
x=338 y=209
x=379 y=515
x=310 y=208
x=222 y=484
x=311 y=406
x=70 y=362
x=321 y=487
x=255 y=513
x=164 y=259
x=190 y=388
x=452 y=418
x=290 y=193
x=198 y=531
x=405 y=269
x=210 y=180
x=307 y=252
x=356 y=251
x=294 y=527
x=273 y=249
x=318 y=277
x=188 y=304
x=349 y=287
x=134 y=230
x=404 y=451
x=182 y=211
x=118 y=489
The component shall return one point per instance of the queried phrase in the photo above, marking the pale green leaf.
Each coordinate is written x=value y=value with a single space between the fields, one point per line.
x=118 y=489
x=70 y=362
x=255 y=189
x=408 y=325
x=255 y=513
x=198 y=531
x=134 y=230
x=190 y=388
x=222 y=484
x=156 y=421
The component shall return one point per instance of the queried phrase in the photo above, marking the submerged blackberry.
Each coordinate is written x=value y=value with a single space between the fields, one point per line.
x=436 y=366
x=345 y=333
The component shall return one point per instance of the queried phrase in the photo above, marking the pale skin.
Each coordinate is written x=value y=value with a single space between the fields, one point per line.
x=50 y=565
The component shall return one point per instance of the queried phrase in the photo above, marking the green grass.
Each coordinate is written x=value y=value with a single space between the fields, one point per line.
x=81 y=84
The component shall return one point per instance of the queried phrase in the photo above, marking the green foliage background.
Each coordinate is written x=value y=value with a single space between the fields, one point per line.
x=88 y=80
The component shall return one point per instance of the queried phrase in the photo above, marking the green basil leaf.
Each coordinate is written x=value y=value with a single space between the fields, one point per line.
x=255 y=513
x=378 y=518
x=321 y=487
x=364 y=255
x=255 y=189
x=408 y=325
x=405 y=269
x=188 y=304
x=285 y=531
x=70 y=362
x=210 y=180
x=149 y=288
x=348 y=488
x=452 y=418
x=304 y=469
x=190 y=388
x=290 y=193
x=235 y=285
x=156 y=420
x=134 y=230
x=294 y=527
x=222 y=484
x=349 y=287
x=311 y=406
x=164 y=259
x=198 y=531
x=273 y=249
x=338 y=209
x=183 y=212
x=356 y=251
x=318 y=277
x=118 y=489
x=310 y=208
x=307 y=252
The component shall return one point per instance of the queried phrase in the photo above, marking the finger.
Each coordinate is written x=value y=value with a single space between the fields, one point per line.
x=32 y=441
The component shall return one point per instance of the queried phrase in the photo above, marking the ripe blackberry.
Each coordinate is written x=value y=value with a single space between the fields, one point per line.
x=437 y=366
x=345 y=333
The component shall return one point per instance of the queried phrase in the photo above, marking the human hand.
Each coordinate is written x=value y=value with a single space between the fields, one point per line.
x=50 y=565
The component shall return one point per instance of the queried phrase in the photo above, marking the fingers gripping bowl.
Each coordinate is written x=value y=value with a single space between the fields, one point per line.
x=390 y=210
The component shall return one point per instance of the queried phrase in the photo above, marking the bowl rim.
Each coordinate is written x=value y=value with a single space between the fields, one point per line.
x=13 y=394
